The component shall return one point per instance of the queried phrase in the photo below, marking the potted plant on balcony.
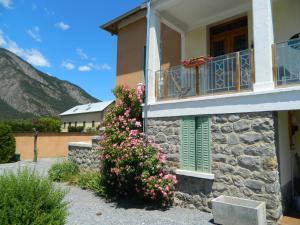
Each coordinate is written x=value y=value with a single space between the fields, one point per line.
x=194 y=62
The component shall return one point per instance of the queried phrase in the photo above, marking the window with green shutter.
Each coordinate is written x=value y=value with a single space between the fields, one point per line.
x=195 y=144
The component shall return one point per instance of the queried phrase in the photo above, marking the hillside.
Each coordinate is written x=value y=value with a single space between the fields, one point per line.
x=27 y=92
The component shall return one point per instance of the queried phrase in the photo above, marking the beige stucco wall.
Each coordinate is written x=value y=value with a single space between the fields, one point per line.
x=80 y=118
x=286 y=17
x=170 y=47
x=49 y=144
x=130 y=55
x=284 y=148
x=196 y=43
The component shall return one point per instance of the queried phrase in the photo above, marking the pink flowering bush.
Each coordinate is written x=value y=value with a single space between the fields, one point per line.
x=131 y=166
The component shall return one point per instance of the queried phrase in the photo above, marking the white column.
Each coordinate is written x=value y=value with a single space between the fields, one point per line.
x=263 y=40
x=153 y=53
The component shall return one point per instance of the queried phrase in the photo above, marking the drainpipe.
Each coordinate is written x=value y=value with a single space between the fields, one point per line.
x=147 y=68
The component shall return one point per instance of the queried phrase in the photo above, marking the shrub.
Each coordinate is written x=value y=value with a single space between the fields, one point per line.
x=26 y=198
x=7 y=144
x=91 y=130
x=130 y=164
x=75 y=129
x=91 y=181
x=43 y=124
x=63 y=171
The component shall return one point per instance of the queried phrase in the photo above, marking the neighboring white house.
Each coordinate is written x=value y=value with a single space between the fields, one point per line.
x=89 y=115
x=232 y=125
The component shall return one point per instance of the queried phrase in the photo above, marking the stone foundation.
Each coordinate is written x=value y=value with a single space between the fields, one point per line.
x=244 y=161
x=85 y=155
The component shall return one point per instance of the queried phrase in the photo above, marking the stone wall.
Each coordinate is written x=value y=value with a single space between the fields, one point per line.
x=85 y=155
x=244 y=161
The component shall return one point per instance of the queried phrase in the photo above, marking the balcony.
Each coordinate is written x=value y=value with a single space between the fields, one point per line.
x=286 y=62
x=230 y=73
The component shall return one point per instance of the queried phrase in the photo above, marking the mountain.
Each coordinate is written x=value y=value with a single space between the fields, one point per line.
x=26 y=92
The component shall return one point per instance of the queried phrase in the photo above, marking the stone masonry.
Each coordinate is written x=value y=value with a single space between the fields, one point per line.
x=85 y=155
x=244 y=161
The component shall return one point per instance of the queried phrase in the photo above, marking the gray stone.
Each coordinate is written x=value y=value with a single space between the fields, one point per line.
x=233 y=118
x=233 y=139
x=249 y=162
x=241 y=125
x=220 y=158
x=219 y=138
x=237 y=150
x=254 y=185
x=173 y=140
x=160 y=138
x=227 y=128
x=262 y=125
x=250 y=138
x=259 y=150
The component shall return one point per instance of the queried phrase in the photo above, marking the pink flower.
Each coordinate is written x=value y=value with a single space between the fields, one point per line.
x=138 y=124
x=133 y=133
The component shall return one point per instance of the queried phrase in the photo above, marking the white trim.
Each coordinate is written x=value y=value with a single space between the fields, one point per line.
x=171 y=25
x=208 y=176
x=80 y=144
x=279 y=99
x=132 y=19
x=183 y=47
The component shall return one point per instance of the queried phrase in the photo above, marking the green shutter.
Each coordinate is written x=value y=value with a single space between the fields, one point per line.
x=188 y=160
x=203 y=153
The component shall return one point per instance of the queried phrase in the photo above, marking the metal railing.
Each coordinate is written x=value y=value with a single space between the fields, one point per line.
x=223 y=74
x=286 y=62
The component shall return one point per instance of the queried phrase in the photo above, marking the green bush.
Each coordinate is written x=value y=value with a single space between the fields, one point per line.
x=91 y=130
x=63 y=172
x=43 y=124
x=91 y=181
x=7 y=144
x=26 y=199
x=75 y=129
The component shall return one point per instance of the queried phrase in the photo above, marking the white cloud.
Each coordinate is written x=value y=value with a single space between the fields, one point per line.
x=63 y=26
x=34 y=33
x=81 y=53
x=104 y=66
x=6 y=3
x=68 y=65
x=84 y=68
x=33 y=56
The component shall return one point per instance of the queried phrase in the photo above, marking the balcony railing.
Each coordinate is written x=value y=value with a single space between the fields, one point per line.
x=229 y=73
x=286 y=62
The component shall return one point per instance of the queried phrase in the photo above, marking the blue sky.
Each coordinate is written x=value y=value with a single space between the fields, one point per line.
x=62 y=38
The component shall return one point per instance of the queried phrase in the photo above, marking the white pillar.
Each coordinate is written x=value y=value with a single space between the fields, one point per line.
x=263 y=40
x=153 y=53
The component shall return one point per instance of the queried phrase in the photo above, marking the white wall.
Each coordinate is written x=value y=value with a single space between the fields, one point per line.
x=80 y=118
x=286 y=19
x=284 y=148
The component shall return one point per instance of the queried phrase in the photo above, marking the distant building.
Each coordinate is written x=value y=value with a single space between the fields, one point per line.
x=89 y=115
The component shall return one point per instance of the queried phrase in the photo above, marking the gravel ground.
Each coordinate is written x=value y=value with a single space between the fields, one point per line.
x=87 y=209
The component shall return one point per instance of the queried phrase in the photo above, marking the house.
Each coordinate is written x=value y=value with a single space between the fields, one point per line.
x=88 y=116
x=229 y=117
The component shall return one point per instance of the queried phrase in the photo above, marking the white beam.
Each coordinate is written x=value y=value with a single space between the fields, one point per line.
x=153 y=53
x=263 y=39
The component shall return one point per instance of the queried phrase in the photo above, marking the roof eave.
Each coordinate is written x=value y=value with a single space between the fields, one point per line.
x=112 y=26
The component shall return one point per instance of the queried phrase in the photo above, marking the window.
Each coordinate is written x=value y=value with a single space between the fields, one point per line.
x=93 y=123
x=75 y=124
x=64 y=124
x=195 y=144
x=70 y=124
x=83 y=123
